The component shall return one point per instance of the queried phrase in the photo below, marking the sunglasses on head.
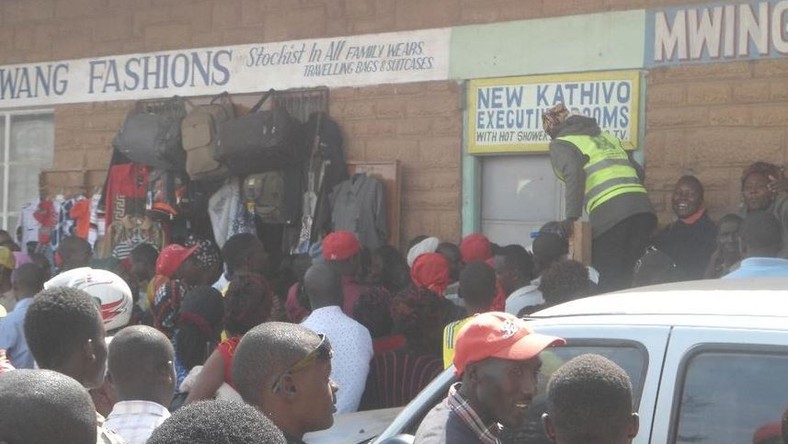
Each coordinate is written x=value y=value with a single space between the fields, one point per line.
x=322 y=351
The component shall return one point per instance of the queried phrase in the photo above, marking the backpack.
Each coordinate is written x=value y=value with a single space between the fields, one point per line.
x=165 y=191
x=151 y=135
x=264 y=195
x=259 y=141
x=199 y=132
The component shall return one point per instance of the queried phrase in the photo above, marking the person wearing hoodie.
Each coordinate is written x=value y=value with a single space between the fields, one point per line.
x=598 y=171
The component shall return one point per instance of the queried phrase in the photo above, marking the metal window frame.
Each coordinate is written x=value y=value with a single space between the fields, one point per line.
x=6 y=163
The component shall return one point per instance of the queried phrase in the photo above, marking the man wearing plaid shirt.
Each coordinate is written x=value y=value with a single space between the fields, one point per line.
x=141 y=368
x=497 y=357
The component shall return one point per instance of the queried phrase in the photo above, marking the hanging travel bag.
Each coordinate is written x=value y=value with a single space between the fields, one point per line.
x=151 y=135
x=199 y=131
x=259 y=141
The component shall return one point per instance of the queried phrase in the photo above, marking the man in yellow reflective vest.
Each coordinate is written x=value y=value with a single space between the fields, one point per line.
x=600 y=174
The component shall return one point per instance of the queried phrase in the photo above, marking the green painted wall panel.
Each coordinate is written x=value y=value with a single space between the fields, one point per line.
x=580 y=43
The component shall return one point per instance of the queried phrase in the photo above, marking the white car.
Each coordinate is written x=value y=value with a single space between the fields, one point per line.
x=708 y=362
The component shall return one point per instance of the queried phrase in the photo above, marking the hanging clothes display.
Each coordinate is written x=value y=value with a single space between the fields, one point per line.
x=359 y=205
x=126 y=190
x=28 y=224
x=131 y=231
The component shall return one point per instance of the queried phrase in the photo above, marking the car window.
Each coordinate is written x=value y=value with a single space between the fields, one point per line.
x=632 y=357
x=731 y=397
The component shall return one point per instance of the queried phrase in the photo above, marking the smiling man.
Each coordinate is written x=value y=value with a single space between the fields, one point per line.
x=497 y=359
x=691 y=239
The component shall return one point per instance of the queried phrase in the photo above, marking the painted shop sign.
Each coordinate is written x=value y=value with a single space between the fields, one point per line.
x=717 y=33
x=505 y=114
x=400 y=57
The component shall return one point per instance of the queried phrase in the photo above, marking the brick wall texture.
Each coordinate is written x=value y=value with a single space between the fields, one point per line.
x=709 y=120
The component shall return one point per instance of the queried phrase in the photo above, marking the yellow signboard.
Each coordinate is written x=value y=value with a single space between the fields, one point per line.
x=505 y=114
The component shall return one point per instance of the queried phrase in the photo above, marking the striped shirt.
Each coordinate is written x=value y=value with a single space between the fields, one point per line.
x=396 y=377
x=450 y=340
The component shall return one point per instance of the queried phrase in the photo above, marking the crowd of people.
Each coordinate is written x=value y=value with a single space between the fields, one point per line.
x=210 y=345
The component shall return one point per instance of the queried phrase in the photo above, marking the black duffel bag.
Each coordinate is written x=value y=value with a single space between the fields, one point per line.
x=259 y=141
x=152 y=136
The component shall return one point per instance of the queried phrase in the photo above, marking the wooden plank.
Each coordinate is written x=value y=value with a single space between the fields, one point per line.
x=580 y=242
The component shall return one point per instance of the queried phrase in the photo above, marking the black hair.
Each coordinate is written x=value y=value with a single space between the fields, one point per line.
x=323 y=285
x=266 y=351
x=137 y=356
x=765 y=169
x=396 y=273
x=29 y=278
x=565 y=280
x=146 y=252
x=74 y=252
x=694 y=181
x=57 y=324
x=762 y=231
x=237 y=248
x=192 y=341
x=247 y=303
x=416 y=239
x=548 y=248
x=477 y=284
x=42 y=407
x=373 y=311
x=217 y=422
x=590 y=400
x=43 y=263
x=730 y=217
x=519 y=259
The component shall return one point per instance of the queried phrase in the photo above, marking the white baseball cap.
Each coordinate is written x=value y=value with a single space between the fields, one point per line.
x=111 y=293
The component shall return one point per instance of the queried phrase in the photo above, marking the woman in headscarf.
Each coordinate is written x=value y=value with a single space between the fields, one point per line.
x=249 y=302
x=178 y=269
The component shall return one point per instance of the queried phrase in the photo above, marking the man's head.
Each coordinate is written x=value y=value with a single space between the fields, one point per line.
x=244 y=252
x=453 y=255
x=761 y=235
x=109 y=291
x=554 y=117
x=548 y=248
x=428 y=245
x=7 y=265
x=73 y=252
x=589 y=401
x=475 y=247
x=342 y=249
x=477 y=287
x=497 y=356
x=323 y=285
x=140 y=364
x=43 y=407
x=27 y=280
x=217 y=422
x=564 y=281
x=687 y=196
x=247 y=303
x=143 y=261
x=755 y=185
x=65 y=333
x=514 y=267
x=728 y=237
x=283 y=369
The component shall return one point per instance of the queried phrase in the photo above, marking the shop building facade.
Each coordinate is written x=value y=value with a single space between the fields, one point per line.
x=709 y=89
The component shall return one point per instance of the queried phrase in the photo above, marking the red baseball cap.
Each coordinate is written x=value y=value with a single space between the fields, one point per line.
x=498 y=335
x=340 y=245
x=475 y=247
x=171 y=258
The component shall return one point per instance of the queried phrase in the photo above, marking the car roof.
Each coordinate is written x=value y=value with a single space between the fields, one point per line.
x=767 y=297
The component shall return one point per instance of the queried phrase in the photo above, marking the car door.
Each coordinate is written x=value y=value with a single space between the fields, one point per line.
x=722 y=385
x=638 y=349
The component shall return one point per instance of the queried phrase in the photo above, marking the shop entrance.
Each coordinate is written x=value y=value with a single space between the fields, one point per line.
x=519 y=195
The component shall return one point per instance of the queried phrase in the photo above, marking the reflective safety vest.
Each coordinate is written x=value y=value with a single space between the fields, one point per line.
x=609 y=172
